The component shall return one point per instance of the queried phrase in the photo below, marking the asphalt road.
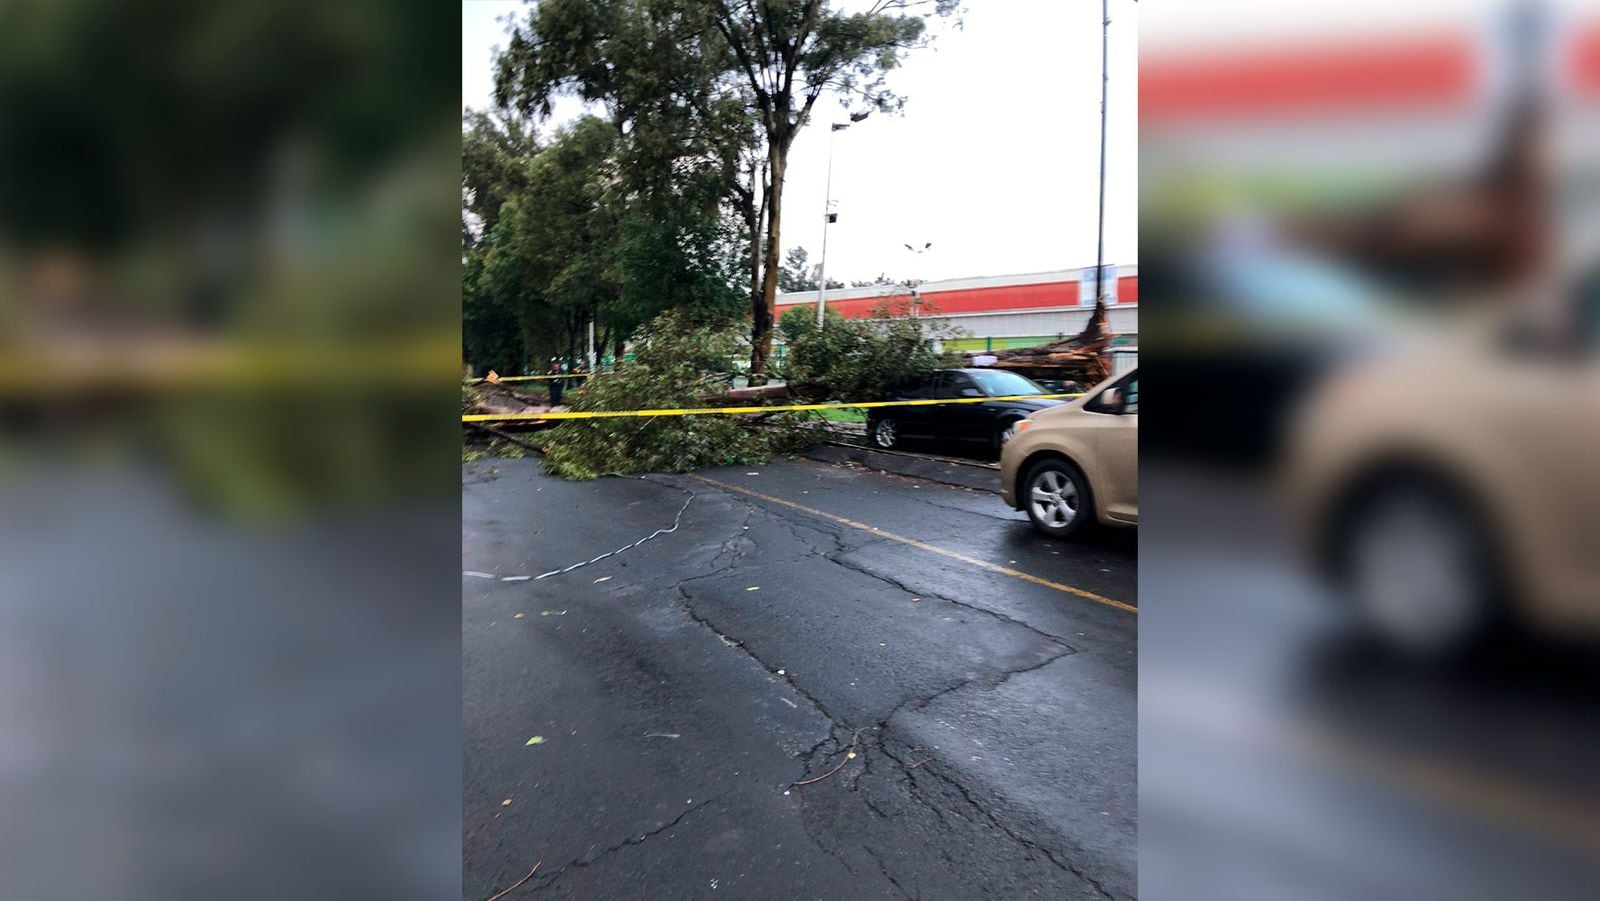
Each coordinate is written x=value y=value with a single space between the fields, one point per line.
x=682 y=687
x=1282 y=755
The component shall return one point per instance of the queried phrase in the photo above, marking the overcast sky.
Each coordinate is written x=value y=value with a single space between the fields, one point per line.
x=994 y=161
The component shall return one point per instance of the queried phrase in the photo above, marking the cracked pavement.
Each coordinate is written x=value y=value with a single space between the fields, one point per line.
x=683 y=687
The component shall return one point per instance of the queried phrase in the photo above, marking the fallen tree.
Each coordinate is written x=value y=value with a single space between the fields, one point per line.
x=497 y=398
x=679 y=363
x=1083 y=358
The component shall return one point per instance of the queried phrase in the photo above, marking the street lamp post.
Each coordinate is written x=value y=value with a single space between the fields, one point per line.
x=1100 y=231
x=915 y=283
x=828 y=214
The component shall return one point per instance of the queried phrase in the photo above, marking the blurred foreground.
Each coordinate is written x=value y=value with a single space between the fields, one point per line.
x=228 y=346
x=1370 y=591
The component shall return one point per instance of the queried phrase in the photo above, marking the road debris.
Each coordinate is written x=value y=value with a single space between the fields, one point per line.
x=676 y=521
x=855 y=740
x=504 y=892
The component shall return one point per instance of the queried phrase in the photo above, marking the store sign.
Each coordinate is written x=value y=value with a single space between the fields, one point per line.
x=1086 y=285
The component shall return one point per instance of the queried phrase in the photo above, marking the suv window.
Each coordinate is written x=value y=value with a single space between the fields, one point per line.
x=954 y=383
x=1000 y=383
x=921 y=389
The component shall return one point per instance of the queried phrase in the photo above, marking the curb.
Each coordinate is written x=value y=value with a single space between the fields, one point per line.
x=976 y=476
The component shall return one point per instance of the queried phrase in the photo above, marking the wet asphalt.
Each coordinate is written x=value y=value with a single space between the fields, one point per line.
x=682 y=688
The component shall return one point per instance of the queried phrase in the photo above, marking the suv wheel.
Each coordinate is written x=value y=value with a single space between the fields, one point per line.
x=1057 y=499
x=885 y=433
x=1004 y=434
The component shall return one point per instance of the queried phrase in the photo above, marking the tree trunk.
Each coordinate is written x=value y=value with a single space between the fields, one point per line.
x=762 y=312
x=754 y=215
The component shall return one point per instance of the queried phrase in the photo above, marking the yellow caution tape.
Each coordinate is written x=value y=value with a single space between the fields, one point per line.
x=711 y=411
x=532 y=378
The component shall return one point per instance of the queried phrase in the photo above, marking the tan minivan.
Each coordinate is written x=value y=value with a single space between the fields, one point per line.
x=1077 y=464
x=1450 y=492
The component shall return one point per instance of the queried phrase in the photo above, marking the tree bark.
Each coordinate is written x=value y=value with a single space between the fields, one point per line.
x=754 y=214
x=762 y=312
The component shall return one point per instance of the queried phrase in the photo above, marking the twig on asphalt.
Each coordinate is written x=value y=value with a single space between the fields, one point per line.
x=855 y=739
x=517 y=883
x=919 y=763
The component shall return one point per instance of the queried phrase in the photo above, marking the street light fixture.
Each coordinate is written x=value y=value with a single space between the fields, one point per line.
x=915 y=283
x=828 y=215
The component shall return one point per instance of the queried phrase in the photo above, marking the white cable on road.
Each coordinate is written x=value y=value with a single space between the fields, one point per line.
x=676 y=521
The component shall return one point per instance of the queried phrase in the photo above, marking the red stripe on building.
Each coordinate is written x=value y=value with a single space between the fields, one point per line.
x=1583 y=61
x=979 y=300
x=1440 y=71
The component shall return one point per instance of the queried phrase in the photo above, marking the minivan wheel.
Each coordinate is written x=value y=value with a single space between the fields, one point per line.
x=1416 y=564
x=1057 y=499
x=885 y=434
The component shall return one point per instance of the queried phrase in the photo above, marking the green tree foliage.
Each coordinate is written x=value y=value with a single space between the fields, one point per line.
x=880 y=279
x=678 y=362
x=672 y=238
x=719 y=89
x=494 y=168
x=566 y=240
x=550 y=263
x=789 y=52
x=860 y=359
x=798 y=274
x=796 y=321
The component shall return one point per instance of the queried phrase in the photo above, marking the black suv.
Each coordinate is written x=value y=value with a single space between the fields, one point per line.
x=990 y=423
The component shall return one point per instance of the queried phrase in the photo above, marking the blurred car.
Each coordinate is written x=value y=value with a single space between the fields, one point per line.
x=989 y=424
x=1077 y=464
x=1448 y=493
x=1245 y=332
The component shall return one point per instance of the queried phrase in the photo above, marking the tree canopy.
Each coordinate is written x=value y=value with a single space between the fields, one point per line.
x=708 y=97
x=798 y=274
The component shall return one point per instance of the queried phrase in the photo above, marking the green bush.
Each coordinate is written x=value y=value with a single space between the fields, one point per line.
x=678 y=362
x=861 y=359
x=797 y=321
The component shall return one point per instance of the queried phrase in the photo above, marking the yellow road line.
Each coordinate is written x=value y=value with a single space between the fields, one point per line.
x=712 y=411
x=922 y=545
x=1189 y=704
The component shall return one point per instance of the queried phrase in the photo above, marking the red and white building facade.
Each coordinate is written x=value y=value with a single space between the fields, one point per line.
x=996 y=311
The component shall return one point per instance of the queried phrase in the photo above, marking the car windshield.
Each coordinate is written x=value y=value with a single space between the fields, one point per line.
x=998 y=383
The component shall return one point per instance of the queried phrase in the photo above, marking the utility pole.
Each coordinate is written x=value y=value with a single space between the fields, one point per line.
x=1105 y=79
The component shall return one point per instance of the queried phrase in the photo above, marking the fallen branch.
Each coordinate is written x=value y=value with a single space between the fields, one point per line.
x=517 y=883
x=499 y=434
x=855 y=739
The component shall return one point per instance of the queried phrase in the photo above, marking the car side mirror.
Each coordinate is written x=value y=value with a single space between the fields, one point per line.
x=1111 y=401
x=971 y=392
